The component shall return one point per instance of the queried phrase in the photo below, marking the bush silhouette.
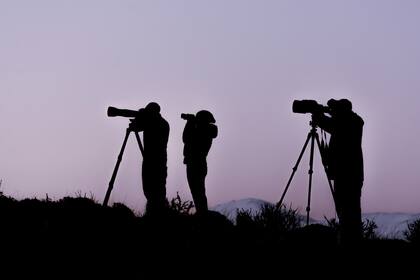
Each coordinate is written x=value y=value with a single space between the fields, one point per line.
x=412 y=234
x=179 y=206
x=81 y=226
x=270 y=218
x=268 y=228
x=368 y=228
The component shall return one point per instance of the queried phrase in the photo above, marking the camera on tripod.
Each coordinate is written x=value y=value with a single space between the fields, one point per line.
x=135 y=118
x=309 y=106
x=314 y=108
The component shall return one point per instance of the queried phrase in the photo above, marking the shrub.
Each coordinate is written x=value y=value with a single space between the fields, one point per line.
x=368 y=228
x=412 y=234
x=270 y=218
x=179 y=206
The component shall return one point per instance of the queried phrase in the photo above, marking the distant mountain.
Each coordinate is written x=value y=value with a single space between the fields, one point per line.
x=229 y=209
x=391 y=225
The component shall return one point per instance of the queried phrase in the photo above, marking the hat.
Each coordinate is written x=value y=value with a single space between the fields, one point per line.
x=153 y=107
x=205 y=116
x=341 y=105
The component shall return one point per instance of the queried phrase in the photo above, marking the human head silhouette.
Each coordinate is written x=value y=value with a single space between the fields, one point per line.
x=152 y=108
x=205 y=116
x=341 y=106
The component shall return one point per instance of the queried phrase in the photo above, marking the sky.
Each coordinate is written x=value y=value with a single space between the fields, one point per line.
x=62 y=63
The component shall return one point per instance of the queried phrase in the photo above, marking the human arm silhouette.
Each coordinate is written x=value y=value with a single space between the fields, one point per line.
x=188 y=133
x=324 y=122
x=213 y=131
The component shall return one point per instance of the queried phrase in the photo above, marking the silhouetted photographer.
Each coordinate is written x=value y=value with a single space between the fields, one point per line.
x=344 y=159
x=155 y=138
x=198 y=136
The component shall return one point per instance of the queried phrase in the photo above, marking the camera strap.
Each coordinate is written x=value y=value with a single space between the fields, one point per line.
x=324 y=148
x=324 y=139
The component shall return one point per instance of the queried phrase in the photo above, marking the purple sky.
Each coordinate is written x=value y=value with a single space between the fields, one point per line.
x=63 y=62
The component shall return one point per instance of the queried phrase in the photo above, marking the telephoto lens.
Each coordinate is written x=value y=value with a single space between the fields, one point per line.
x=115 y=112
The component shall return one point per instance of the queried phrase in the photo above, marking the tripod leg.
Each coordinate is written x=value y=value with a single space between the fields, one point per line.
x=311 y=171
x=114 y=174
x=139 y=142
x=325 y=169
x=294 y=170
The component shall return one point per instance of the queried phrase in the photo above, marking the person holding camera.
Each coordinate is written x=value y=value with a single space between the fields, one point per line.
x=345 y=164
x=198 y=135
x=154 y=169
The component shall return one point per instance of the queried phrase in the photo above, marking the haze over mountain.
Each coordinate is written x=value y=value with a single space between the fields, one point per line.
x=390 y=225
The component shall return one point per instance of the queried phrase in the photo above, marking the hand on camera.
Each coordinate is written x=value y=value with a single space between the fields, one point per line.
x=133 y=126
x=316 y=117
x=188 y=117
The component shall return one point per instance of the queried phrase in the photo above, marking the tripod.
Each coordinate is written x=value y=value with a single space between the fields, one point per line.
x=114 y=174
x=312 y=136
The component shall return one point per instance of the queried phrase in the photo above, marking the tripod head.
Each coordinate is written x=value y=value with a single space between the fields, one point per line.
x=313 y=122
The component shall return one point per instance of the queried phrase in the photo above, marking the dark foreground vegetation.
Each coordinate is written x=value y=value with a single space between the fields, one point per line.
x=79 y=233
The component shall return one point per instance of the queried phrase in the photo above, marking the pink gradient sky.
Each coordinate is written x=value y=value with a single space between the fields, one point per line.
x=63 y=62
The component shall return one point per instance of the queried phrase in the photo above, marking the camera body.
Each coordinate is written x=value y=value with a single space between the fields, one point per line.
x=187 y=117
x=309 y=106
